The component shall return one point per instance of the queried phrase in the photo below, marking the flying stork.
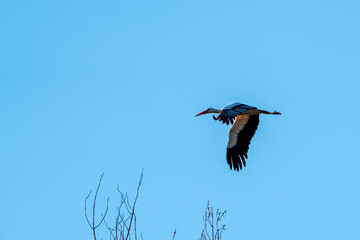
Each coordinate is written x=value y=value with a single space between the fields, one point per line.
x=243 y=129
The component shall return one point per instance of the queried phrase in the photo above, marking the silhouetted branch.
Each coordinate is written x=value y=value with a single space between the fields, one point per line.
x=133 y=207
x=125 y=221
x=87 y=219
x=125 y=225
x=92 y=225
x=214 y=223
x=174 y=234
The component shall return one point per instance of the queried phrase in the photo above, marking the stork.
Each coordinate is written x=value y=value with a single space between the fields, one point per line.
x=243 y=129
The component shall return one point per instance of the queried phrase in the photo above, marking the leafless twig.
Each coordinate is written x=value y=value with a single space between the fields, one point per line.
x=125 y=220
x=125 y=225
x=93 y=225
x=174 y=234
x=133 y=207
x=214 y=223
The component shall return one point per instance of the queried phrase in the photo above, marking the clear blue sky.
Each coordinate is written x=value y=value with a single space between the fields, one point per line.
x=113 y=86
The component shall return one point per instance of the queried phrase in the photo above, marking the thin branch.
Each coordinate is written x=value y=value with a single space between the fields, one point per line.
x=133 y=207
x=212 y=220
x=110 y=229
x=93 y=225
x=174 y=234
x=87 y=219
x=135 y=226
x=125 y=220
x=106 y=210
x=96 y=193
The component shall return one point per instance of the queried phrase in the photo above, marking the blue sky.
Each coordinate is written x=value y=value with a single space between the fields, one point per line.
x=113 y=86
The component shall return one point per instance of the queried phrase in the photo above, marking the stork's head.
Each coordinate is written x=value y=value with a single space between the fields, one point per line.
x=209 y=110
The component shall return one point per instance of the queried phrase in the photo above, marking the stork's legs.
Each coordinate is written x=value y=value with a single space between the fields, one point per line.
x=266 y=112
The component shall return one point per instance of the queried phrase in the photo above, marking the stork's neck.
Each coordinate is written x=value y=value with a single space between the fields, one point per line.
x=213 y=110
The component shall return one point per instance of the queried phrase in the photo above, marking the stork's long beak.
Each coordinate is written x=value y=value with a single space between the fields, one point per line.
x=201 y=113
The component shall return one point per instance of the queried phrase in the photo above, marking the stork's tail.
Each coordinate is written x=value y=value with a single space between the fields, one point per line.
x=266 y=112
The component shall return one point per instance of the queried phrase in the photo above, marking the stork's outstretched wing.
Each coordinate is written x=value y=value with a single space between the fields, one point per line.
x=240 y=136
x=229 y=113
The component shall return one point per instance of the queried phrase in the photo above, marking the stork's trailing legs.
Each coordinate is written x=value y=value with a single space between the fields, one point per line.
x=266 y=112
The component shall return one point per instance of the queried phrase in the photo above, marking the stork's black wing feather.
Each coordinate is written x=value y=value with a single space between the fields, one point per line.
x=229 y=113
x=240 y=150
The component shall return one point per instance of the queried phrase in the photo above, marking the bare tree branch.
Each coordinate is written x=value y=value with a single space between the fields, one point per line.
x=92 y=225
x=213 y=222
x=133 y=207
x=87 y=219
x=125 y=220
x=174 y=234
